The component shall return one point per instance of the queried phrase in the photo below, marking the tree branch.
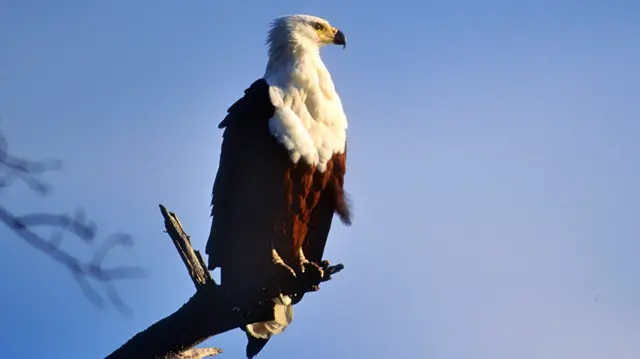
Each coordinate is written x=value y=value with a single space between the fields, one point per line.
x=192 y=259
x=207 y=313
x=82 y=271
x=29 y=172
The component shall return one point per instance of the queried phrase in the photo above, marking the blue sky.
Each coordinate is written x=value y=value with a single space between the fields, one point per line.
x=494 y=164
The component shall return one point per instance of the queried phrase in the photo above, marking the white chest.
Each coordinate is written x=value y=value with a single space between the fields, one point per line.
x=309 y=120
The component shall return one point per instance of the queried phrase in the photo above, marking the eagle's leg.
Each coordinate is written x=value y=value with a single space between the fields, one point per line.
x=313 y=272
x=280 y=263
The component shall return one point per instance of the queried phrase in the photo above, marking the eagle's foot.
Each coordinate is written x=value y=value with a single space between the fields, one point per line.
x=281 y=264
x=325 y=264
x=313 y=272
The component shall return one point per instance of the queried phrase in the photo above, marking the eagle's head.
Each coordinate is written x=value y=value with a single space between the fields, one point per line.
x=304 y=31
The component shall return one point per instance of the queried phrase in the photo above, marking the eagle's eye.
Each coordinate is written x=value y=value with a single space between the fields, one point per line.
x=318 y=26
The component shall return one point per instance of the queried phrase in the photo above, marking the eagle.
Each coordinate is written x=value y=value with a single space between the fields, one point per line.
x=281 y=173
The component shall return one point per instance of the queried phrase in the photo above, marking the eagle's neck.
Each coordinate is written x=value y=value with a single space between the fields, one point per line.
x=309 y=119
x=289 y=52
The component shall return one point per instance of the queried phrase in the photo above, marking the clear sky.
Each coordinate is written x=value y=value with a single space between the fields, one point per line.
x=494 y=164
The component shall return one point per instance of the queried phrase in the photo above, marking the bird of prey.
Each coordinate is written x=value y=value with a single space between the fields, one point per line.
x=281 y=173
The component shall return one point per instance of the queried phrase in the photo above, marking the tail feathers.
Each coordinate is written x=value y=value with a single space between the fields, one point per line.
x=254 y=345
x=343 y=207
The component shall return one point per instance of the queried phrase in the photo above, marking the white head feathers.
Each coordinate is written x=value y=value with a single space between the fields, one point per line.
x=309 y=120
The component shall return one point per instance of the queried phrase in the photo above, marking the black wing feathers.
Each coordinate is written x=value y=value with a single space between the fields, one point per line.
x=249 y=113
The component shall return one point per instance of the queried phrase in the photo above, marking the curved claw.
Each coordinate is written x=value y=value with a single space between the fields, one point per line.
x=281 y=264
x=313 y=273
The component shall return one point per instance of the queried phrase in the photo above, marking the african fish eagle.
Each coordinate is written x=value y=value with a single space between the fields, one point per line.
x=281 y=172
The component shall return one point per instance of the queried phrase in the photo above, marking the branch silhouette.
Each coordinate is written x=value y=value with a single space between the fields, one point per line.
x=207 y=313
x=85 y=272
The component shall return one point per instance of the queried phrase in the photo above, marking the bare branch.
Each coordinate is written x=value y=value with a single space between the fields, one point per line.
x=207 y=313
x=76 y=224
x=192 y=259
x=82 y=271
x=25 y=170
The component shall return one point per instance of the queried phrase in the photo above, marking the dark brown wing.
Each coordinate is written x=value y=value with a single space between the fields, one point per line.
x=248 y=196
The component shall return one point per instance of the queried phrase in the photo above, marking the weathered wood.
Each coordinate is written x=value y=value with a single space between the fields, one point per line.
x=207 y=313
x=199 y=353
x=192 y=259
